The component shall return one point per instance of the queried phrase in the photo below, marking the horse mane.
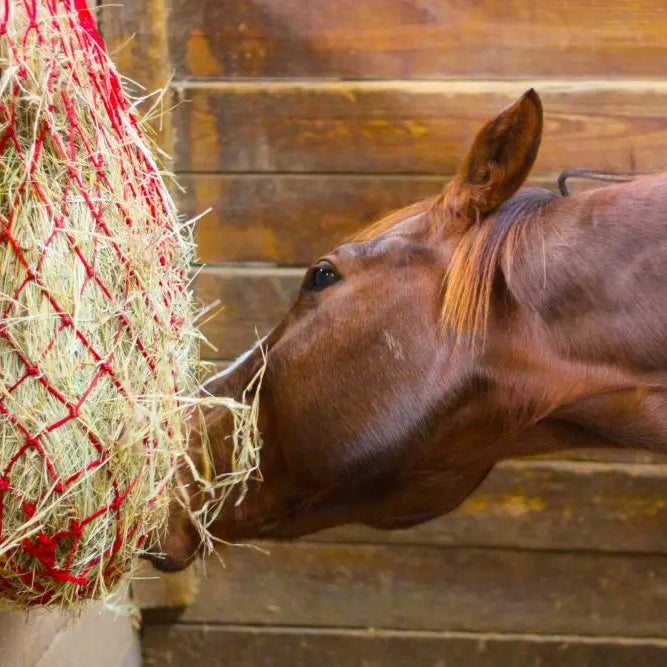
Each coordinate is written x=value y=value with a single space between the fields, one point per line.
x=473 y=268
x=469 y=280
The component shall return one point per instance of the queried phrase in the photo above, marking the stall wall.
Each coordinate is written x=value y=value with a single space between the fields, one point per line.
x=299 y=121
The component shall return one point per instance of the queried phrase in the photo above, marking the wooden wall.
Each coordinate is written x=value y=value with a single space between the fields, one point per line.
x=297 y=121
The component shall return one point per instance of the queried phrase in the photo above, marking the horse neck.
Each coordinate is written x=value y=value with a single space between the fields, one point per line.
x=593 y=268
x=591 y=277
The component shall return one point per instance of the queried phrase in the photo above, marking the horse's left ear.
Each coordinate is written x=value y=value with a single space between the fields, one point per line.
x=499 y=161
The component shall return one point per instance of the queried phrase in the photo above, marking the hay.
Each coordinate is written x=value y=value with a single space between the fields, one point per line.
x=98 y=345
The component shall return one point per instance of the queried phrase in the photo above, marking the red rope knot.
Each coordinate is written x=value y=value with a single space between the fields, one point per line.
x=4 y=485
x=43 y=549
x=32 y=370
x=29 y=509
x=75 y=528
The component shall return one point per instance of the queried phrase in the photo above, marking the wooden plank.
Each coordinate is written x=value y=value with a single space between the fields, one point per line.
x=213 y=645
x=136 y=35
x=380 y=39
x=438 y=589
x=293 y=219
x=547 y=505
x=151 y=589
x=290 y=219
x=254 y=301
x=409 y=127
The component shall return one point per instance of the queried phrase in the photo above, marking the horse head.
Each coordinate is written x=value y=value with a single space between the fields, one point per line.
x=435 y=343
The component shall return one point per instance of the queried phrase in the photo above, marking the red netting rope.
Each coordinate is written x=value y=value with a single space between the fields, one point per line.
x=81 y=40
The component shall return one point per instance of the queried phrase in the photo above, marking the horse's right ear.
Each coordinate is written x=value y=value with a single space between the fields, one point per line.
x=499 y=161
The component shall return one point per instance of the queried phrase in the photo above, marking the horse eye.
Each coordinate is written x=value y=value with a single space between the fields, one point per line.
x=322 y=276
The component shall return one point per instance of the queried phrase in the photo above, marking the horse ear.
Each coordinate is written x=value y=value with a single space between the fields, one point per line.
x=499 y=161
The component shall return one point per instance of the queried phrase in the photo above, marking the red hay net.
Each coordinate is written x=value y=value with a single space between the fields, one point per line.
x=52 y=550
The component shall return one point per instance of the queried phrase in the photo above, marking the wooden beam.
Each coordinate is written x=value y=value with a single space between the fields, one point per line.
x=409 y=127
x=392 y=39
x=248 y=646
x=253 y=301
x=436 y=589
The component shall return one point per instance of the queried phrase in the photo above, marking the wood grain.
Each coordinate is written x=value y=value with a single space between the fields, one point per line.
x=429 y=588
x=293 y=219
x=136 y=35
x=409 y=127
x=151 y=589
x=211 y=646
x=290 y=219
x=253 y=301
x=394 y=39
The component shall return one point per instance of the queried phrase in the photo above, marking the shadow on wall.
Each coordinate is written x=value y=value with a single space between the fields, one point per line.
x=42 y=638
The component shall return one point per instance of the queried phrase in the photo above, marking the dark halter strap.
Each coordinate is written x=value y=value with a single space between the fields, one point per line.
x=593 y=175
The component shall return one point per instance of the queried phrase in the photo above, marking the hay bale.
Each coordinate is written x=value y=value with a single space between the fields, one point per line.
x=97 y=341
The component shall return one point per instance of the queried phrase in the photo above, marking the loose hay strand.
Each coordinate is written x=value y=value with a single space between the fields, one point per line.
x=98 y=363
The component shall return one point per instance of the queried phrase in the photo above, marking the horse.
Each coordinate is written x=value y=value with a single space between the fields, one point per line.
x=487 y=322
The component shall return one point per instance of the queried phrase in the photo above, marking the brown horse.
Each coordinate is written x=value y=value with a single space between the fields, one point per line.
x=485 y=323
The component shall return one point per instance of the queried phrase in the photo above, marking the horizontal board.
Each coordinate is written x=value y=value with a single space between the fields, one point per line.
x=293 y=219
x=152 y=589
x=434 y=588
x=290 y=219
x=547 y=505
x=379 y=39
x=135 y=34
x=408 y=127
x=212 y=645
x=253 y=301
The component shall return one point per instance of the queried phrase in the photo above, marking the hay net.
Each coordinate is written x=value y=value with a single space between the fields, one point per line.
x=97 y=338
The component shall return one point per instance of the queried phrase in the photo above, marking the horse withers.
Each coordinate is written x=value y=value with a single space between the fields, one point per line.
x=484 y=323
